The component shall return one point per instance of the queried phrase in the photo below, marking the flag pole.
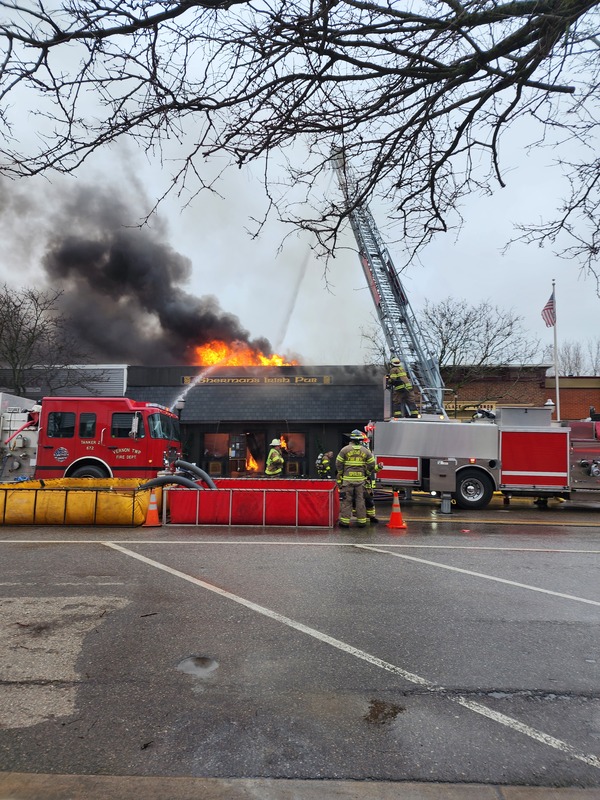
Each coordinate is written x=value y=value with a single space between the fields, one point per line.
x=556 y=354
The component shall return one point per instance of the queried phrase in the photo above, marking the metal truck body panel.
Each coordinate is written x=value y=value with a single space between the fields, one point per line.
x=406 y=469
x=534 y=459
x=439 y=439
x=521 y=452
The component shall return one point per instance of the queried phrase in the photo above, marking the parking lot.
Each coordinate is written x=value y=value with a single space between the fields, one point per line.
x=463 y=651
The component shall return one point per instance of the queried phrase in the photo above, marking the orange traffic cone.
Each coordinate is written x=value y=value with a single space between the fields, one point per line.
x=396 y=520
x=152 y=520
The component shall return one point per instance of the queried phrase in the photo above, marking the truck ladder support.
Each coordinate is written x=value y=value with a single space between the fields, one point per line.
x=398 y=322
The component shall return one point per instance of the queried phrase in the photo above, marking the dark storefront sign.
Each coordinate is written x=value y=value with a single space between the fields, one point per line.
x=296 y=380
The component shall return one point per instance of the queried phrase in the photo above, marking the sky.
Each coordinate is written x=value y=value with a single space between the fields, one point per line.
x=275 y=286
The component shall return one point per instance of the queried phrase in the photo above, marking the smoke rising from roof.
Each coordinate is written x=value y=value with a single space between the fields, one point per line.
x=122 y=286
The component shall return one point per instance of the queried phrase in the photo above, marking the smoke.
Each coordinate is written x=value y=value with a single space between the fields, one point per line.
x=122 y=286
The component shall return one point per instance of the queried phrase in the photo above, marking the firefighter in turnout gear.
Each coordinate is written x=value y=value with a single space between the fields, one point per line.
x=275 y=462
x=370 y=487
x=355 y=465
x=325 y=465
x=403 y=403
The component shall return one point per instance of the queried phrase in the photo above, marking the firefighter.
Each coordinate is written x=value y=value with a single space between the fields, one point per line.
x=370 y=487
x=274 y=465
x=325 y=465
x=355 y=464
x=403 y=403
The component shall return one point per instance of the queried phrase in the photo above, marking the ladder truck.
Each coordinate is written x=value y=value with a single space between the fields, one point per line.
x=398 y=322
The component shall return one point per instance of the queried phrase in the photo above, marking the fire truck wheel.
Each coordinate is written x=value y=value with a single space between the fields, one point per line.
x=474 y=489
x=91 y=471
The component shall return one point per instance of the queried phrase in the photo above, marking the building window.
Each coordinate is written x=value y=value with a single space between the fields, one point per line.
x=295 y=444
x=216 y=445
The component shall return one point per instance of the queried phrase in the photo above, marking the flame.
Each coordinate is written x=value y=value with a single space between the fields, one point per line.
x=283 y=443
x=251 y=463
x=236 y=354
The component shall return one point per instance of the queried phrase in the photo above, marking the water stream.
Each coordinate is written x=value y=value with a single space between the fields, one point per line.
x=182 y=396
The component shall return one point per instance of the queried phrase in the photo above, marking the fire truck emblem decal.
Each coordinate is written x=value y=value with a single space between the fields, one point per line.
x=61 y=454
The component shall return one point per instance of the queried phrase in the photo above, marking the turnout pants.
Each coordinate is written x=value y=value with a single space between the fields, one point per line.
x=352 y=495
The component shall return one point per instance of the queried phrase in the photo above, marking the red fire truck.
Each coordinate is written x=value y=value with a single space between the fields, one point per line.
x=85 y=437
x=520 y=452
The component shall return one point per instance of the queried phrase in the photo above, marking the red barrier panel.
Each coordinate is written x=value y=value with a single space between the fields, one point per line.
x=264 y=502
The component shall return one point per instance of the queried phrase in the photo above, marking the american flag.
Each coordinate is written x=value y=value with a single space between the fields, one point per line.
x=549 y=312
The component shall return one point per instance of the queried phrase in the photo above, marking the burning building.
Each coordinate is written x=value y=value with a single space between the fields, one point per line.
x=230 y=414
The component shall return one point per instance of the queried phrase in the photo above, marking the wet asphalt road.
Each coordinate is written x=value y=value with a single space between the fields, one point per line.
x=465 y=649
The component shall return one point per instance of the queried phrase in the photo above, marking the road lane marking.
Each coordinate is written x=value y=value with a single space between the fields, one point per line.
x=374 y=549
x=247 y=542
x=411 y=677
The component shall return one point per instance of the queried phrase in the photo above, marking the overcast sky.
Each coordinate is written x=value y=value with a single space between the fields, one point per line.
x=281 y=294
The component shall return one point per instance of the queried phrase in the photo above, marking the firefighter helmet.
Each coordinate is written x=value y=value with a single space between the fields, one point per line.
x=358 y=435
x=275 y=443
x=395 y=362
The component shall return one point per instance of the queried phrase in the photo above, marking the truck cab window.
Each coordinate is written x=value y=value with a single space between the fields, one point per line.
x=61 y=425
x=122 y=423
x=87 y=425
x=163 y=427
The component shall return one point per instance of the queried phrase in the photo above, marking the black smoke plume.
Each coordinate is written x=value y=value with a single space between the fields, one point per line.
x=122 y=294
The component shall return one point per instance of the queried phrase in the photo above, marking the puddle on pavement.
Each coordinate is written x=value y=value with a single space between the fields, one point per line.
x=198 y=666
x=380 y=713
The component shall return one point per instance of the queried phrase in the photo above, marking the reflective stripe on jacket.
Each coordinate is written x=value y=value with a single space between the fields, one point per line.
x=354 y=463
x=275 y=462
x=399 y=378
x=324 y=467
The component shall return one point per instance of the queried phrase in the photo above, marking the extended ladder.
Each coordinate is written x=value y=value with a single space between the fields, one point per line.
x=398 y=322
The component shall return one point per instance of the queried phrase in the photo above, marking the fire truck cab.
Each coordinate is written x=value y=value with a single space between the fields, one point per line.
x=521 y=452
x=88 y=437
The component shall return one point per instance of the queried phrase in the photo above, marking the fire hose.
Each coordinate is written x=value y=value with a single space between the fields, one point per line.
x=182 y=479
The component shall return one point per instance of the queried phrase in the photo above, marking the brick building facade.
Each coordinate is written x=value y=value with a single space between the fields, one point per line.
x=517 y=386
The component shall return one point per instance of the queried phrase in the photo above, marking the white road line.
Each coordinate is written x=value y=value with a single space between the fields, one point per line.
x=476 y=708
x=374 y=549
x=247 y=542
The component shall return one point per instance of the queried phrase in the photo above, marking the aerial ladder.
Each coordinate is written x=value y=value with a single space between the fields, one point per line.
x=398 y=322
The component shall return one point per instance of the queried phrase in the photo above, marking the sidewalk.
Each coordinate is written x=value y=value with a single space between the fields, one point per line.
x=21 y=786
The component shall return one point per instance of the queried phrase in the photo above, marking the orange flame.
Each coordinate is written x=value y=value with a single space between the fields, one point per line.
x=236 y=354
x=283 y=443
x=251 y=463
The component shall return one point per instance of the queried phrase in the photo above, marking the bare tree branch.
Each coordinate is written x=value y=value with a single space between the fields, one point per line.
x=34 y=343
x=416 y=94
x=470 y=340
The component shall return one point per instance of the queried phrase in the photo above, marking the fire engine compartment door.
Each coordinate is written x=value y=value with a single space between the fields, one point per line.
x=416 y=437
x=442 y=475
x=534 y=458
x=399 y=469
